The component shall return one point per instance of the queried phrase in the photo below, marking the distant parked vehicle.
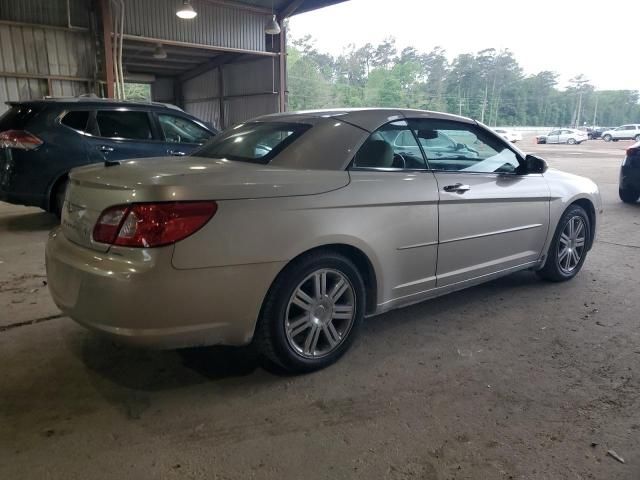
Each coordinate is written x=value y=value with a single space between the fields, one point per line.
x=509 y=135
x=42 y=140
x=629 y=188
x=625 y=132
x=597 y=132
x=563 y=135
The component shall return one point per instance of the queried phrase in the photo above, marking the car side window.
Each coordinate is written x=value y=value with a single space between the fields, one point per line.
x=456 y=146
x=555 y=132
x=392 y=146
x=131 y=125
x=178 y=129
x=76 y=120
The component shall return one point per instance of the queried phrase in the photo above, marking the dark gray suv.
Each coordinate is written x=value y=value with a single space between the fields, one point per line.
x=42 y=140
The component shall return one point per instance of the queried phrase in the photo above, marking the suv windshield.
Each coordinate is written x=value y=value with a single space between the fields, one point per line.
x=253 y=142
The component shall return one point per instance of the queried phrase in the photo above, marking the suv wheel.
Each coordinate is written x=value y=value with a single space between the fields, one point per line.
x=568 y=248
x=57 y=197
x=312 y=312
x=629 y=195
x=637 y=138
x=607 y=138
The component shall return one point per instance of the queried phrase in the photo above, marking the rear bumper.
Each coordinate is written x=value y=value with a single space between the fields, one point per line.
x=142 y=300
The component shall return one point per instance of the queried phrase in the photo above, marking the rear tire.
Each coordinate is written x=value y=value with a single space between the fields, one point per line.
x=629 y=195
x=57 y=197
x=637 y=138
x=568 y=249
x=607 y=138
x=302 y=327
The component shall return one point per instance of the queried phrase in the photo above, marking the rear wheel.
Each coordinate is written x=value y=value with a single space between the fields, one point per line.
x=312 y=312
x=637 y=138
x=57 y=197
x=607 y=138
x=568 y=248
x=629 y=195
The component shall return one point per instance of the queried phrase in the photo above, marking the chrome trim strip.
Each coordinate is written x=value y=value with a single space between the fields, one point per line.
x=418 y=245
x=489 y=234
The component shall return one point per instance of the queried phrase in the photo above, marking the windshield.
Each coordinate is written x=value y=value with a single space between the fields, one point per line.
x=253 y=142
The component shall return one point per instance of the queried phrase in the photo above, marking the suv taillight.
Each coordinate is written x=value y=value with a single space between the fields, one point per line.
x=20 y=139
x=149 y=225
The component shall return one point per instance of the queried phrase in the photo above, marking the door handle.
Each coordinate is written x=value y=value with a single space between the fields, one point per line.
x=104 y=148
x=457 y=188
x=176 y=153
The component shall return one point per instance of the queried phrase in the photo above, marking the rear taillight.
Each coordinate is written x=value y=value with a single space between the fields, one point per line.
x=20 y=139
x=152 y=224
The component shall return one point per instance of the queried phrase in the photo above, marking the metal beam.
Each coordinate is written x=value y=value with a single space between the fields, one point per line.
x=290 y=9
x=44 y=77
x=170 y=59
x=137 y=38
x=105 y=14
x=283 y=70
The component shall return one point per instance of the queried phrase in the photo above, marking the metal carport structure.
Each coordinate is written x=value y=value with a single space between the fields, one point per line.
x=220 y=66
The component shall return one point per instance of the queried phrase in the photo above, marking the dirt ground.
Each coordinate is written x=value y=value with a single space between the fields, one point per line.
x=515 y=379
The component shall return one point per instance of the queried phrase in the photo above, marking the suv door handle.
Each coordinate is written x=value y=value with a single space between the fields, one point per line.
x=457 y=188
x=104 y=148
x=176 y=153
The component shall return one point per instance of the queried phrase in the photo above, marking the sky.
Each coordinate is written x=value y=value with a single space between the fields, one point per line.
x=567 y=37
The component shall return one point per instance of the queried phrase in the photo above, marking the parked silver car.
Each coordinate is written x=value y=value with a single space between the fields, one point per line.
x=570 y=136
x=289 y=229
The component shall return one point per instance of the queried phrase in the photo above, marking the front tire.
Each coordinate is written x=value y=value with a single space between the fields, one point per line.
x=607 y=138
x=312 y=312
x=629 y=195
x=571 y=141
x=568 y=249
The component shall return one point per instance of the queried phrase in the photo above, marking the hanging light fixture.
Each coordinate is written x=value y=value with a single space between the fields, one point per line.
x=186 y=11
x=272 y=27
x=159 y=52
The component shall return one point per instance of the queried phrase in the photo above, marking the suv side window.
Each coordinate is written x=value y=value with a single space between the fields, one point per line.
x=178 y=129
x=131 y=125
x=76 y=119
x=457 y=146
x=392 y=146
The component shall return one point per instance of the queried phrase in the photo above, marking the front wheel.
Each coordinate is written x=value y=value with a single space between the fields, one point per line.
x=312 y=312
x=607 y=138
x=568 y=248
x=571 y=141
x=629 y=195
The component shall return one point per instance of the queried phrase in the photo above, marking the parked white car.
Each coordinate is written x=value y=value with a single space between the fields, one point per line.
x=563 y=135
x=625 y=132
x=509 y=135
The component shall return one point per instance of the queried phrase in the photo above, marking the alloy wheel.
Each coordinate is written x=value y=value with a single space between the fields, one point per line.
x=320 y=313
x=571 y=244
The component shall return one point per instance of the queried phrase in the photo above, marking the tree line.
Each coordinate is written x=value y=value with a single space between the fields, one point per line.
x=489 y=86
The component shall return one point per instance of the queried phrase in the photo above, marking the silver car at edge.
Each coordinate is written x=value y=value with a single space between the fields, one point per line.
x=287 y=230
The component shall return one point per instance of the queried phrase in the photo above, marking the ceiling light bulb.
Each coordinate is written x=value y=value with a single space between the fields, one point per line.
x=186 y=11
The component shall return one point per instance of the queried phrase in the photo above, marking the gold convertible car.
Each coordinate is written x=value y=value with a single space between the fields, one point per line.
x=289 y=229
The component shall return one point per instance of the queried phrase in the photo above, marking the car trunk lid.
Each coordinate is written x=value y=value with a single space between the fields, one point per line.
x=94 y=188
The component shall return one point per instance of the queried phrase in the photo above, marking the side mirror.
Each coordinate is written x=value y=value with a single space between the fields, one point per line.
x=535 y=164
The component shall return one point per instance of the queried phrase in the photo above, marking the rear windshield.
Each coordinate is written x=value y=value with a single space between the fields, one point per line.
x=18 y=116
x=253 y=142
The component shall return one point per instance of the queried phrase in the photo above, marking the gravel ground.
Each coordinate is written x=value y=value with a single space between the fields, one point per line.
x=513 y=379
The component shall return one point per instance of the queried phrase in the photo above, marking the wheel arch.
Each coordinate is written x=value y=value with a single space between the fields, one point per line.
x=361 y=260
x=588 y=207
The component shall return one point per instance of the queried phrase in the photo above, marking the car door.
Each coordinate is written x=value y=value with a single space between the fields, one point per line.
x=394 y=199
x=553 y=136
x=181 y=135
x=123 y=133
x=493 y=217
x=564 y=136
